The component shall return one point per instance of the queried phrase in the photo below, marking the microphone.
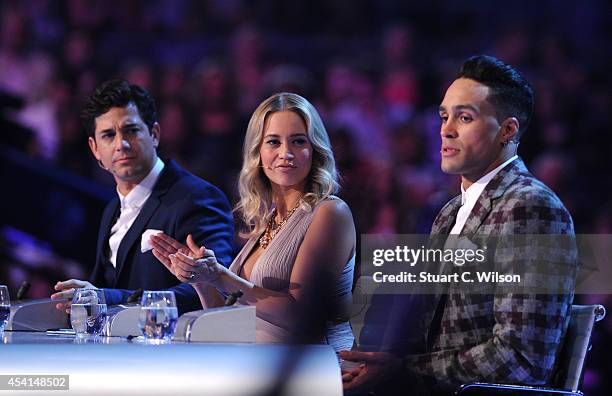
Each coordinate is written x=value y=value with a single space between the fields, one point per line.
x=101 y=165
x=23 y=290
x=135 y=297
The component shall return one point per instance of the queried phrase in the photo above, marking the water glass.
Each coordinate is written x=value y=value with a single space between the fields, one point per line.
x=88 y=312
x=5 y=308
x=158 y=315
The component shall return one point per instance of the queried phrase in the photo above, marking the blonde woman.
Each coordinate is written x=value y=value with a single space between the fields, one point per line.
x=297 y=265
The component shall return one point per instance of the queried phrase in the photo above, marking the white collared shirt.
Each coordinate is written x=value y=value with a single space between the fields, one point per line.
x=470 y=196
x=131 y=204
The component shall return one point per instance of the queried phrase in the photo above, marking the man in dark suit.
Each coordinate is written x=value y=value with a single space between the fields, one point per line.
x=508 y=334
x=153 y=196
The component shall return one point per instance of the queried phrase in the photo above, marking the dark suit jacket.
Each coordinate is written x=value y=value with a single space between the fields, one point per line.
x=507 y=337
x=180 y=204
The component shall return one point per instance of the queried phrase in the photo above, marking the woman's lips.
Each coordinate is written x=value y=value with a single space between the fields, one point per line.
x=286 y=168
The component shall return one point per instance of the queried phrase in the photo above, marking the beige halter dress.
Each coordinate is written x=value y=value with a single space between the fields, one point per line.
x=272 y=270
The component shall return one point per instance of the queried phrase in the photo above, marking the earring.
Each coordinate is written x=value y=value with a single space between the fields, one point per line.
x=101 y=165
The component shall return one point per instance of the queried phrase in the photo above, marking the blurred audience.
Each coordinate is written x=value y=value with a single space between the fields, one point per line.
x=376 y=71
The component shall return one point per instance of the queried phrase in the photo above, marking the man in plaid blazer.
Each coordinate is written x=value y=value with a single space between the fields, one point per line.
x=512 y=336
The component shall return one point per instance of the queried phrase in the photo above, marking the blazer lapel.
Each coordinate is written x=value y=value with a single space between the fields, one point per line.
x=446 y=218
x=135 y=231
x=106 y=223
x=494 y=190
x=440 y=229
x=479 y=213
x=166 y=179
x=439 y=233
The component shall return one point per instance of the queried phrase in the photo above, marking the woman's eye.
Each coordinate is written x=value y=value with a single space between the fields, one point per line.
x=300 y=141
x=272 y=142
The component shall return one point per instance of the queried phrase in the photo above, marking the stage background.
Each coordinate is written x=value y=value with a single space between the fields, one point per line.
x=376 y=71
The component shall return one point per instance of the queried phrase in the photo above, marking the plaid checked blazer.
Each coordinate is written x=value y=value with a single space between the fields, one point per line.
x=509 y=337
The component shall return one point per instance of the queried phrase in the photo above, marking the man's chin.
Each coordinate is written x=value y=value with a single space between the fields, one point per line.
x=450 y=169
x=126 y=175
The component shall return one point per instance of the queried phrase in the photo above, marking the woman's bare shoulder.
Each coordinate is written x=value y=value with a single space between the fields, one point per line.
x=335 y=213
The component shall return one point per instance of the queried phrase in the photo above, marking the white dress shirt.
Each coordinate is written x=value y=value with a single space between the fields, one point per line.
x=470 y=196
x=131 y=204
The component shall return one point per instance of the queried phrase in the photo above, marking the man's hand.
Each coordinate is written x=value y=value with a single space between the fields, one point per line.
x=65 y=289
x=375 y=368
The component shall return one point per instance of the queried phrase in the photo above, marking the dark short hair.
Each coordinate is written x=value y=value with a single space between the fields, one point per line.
x=509 y=92
x=117 y=93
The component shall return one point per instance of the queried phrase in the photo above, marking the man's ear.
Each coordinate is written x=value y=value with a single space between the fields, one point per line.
x=93 y=147
x=156 y=132
x=509 y=129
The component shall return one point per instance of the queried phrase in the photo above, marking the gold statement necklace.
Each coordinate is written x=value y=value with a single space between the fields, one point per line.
x=273 y=228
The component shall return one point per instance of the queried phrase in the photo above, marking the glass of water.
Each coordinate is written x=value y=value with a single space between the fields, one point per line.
x=158 y=315
x=88 y=312
x=5 y=308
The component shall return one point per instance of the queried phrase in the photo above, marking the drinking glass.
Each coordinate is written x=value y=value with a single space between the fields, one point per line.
x=158 y=315
x=88 y=312
x=5 y=308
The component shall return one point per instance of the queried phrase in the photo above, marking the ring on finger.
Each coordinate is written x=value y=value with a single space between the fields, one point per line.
x=192 y=276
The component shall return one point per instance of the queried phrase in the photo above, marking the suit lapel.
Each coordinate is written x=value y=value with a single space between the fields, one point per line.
x=479 y=213
x=166 y=179
x=108 y=219
x=135 y=231
x=439 y=232
x=494 y=190
x=446 y=218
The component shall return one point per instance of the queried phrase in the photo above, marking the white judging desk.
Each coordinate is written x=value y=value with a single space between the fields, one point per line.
x=117 y=366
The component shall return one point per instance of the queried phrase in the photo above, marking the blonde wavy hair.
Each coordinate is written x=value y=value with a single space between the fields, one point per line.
x=253 y=185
